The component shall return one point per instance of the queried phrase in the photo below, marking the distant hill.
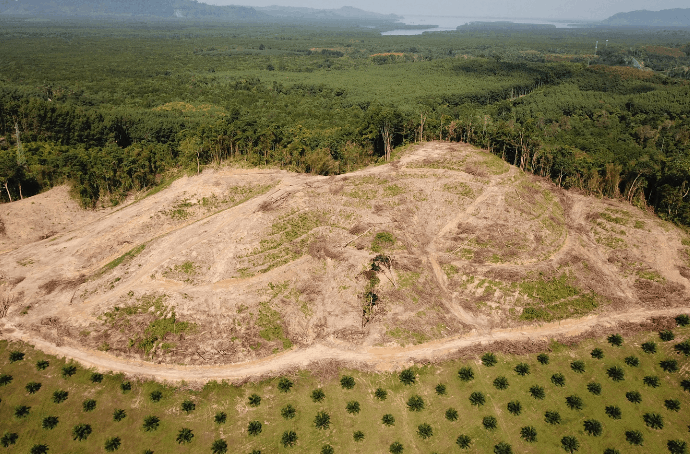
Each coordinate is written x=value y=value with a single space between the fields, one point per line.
x=190 y=9
x=678 y=17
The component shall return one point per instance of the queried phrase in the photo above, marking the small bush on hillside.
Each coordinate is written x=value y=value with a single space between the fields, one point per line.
x=112 y=444
x=125 y=387
x=682 y=320
x=522 y=369
x=39 y=449
x=634 y=437
x=96 y=377
x=318 y=395
x=289 y=412
x=611 y=451
x=358 y=435
x=219 y=447
x=543 y=359
x=676 y=446
x=415 y=403
x=666 y=335
x=60 y=396
x=653 y=420
x=119 y=415
x=669 y=365
x=515 y=407
x=21 y=411
x=42 y=364
x=425 y=431
x=68 y=370
x=50 y=422
x=9 y=438
x=685 y=384
x=537 y=392
x=570 y=444
x=220 y=418
x=254 y=400
x=151 y=423
x=672 y=404
x=463 y=441
x=184 y=435
x=613 y=412
x=284 y=385
x=634 y=397
x=683 y=347
x=558 y=379
x=441 y=389
x=328 y=449
x=632 y=361
x=489 y=422
x=578 y=366
x=594 y=388
x=597 y=353
x=652 y=381
x=347 y=382
x=388 y=420
x=289 y=438
x=322 y=420
x=649 y=347
x=88 y=405
x=381 y=394
x=503 y=448
x=16 y=356
x=477 y=399
x=501 y=383
x=396 y=448
x=32 y=387
x=452 y=414
x=407 y=377
x=574 y=402
x=466 y=374
x=552 y=417
x=188 y=406
x=352 y=407
x=529 y=434
x=5 y=379
x=489 y=359
x=81 y=432
x=592 y=427
x=615 y=373
x=615 y=339
x=254 y=428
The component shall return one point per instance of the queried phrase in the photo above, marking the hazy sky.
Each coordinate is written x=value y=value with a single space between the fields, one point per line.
x=547 y=9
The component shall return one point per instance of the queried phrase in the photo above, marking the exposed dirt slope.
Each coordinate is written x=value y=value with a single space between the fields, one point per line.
x=236 y=265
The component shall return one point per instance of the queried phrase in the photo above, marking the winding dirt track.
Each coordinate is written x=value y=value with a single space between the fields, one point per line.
x=378 y=358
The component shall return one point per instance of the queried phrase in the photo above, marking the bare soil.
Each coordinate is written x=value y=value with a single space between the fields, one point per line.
x=267 y=269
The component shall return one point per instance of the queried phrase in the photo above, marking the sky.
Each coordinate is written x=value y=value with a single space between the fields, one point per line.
x=536 y=9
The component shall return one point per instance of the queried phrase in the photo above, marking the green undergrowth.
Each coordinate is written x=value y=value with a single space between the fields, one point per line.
x=436 y=393
x=556 y=298
x=124 y=258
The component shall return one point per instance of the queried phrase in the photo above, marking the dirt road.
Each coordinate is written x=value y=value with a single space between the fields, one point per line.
x=378 y=358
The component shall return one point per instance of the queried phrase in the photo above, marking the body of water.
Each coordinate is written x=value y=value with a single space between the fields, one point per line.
x=450 y=23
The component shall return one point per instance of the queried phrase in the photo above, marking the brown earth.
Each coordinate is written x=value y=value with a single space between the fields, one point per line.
x=230 y=268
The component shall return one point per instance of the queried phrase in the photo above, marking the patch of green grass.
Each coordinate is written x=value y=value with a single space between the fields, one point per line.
x=381 y=241
x=650 y=275
x=459 y=188
x=407 y=336
x=126 y=257
x=271 y=323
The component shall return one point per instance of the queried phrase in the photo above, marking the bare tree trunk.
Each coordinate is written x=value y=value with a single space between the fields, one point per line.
x=422 y=120
x=8 y=191
x=386 y=134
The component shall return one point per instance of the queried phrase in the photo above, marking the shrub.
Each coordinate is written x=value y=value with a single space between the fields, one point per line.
x=32 y=387
x=16 y=356
x=649 y=347
x=570 y=444
x=318 y=395
x=347 y=382
x=8 y=438
x=50 y=422
x=289 y=438
x=352 y=407
x=515 y=407
x=537 y=392
x=463 y=441
x=119 y=415
x=682 y=320
x=652 y=381
x=220 y=417
x=5 y=379
x=466 y=374
x=672 y=404
x=328 y=449
x=358 y=435
x=669 y=365
x=634 y=437
x=501 y=382
x=415 y=403
x=578 y=366
x=503 y=448
x=477 y=399
x=188 y=406
x=151 y=423
x=685 y=384
x=441 y=389
x=558 y=379
x=574 y=402
x=21 y=411
x=615 y=373
x=289 y=412
x=284 y=384
x=60 y=396
x=96 y=377
x=68 y=370
x=522 y=369
x=425 y=431
x=632 y=361
x=88 y=405
x=219 y=446
x=552 y=417
x=611 y=451
x=408 y=377
x=543 y=359
x=653 y=420
x=615 y=339
x=597 y=353
x=125 y=387
x=529 y=434
x=254 y=428
x=322 y=420
x=185 y=435
x=592 y=427
x=452 y=414
x=666 y=335
x=42 y=364
x=683 y=347
x=155 y=396
x=388 y=420
x=81 y=432
x=489 y=422
x=112 y=444
x=676 y=446
x=489 y=359
x=613 y=412
x=594 y=388
x=396 y=448
x=39 y=449
x=254 y=400
x=634 y=397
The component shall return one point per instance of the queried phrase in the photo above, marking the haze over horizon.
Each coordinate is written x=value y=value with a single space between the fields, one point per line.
x=542 y=9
